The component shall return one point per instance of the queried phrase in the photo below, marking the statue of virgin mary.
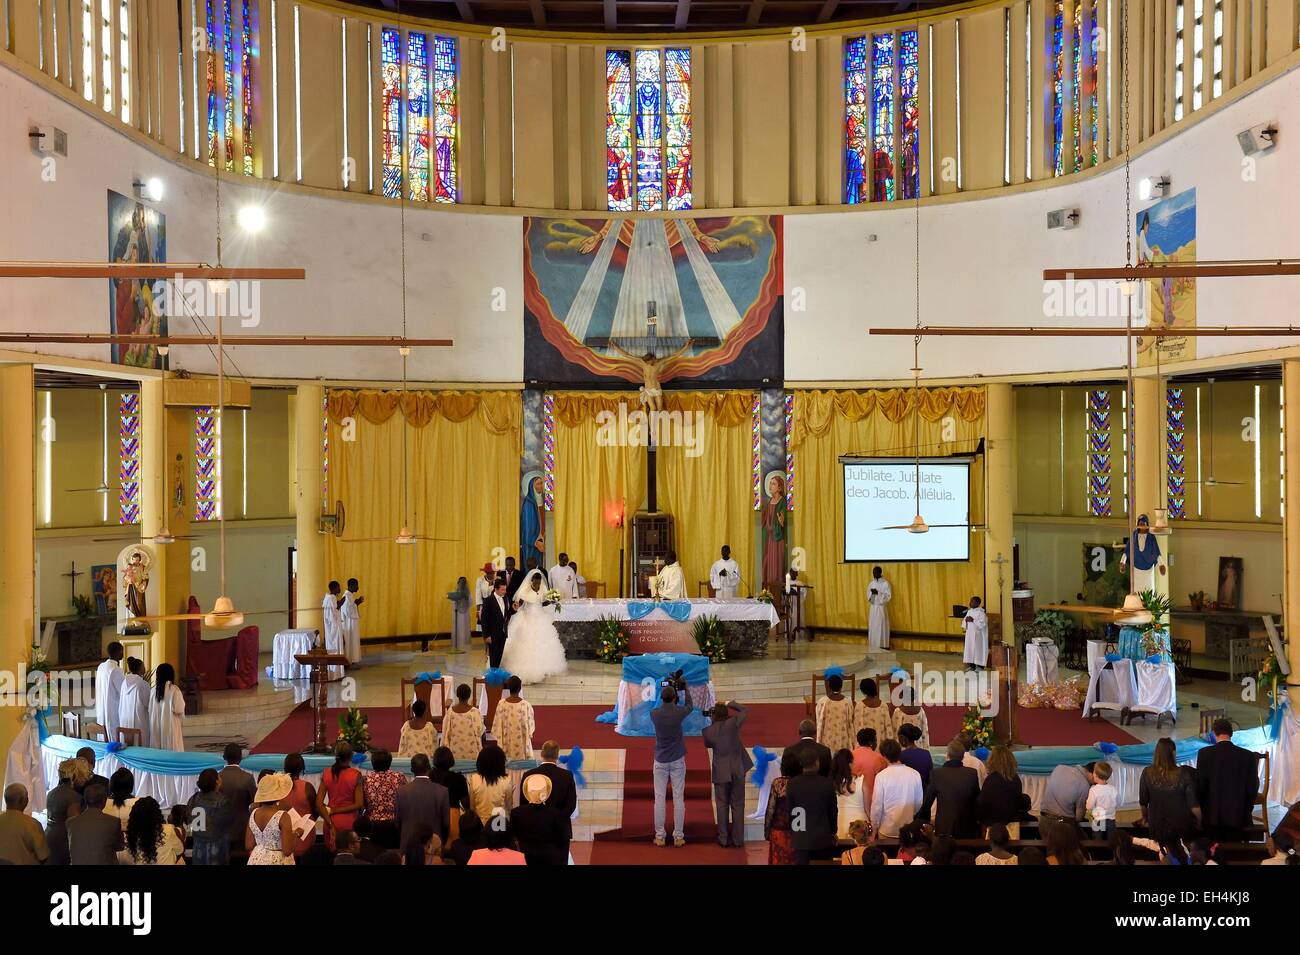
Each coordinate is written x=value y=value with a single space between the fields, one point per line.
x=532 y=521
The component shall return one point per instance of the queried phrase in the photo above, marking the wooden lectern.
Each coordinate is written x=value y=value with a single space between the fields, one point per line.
x=320 y=661
x=1004 y=661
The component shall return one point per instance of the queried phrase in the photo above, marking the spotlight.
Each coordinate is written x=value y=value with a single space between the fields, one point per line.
x=151 y=189
x=1153 y=187
x=252 y=218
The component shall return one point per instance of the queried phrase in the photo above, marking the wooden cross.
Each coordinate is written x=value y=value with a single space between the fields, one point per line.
x=1000 y=561
x=74 y=574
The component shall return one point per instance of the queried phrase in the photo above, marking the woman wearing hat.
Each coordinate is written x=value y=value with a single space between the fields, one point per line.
x=271 y=837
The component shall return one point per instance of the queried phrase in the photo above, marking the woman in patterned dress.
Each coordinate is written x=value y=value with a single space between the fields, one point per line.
x=514 y=723
x=872 y=712
x=835 y=717
x=462 y=726
x=418 y=732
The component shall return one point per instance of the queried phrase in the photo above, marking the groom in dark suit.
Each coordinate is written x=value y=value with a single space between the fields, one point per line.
x=492 y=621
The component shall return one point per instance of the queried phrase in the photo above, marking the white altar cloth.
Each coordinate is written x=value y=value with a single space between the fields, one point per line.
x=1041 y=663
x=286 y=644
x=584 y=609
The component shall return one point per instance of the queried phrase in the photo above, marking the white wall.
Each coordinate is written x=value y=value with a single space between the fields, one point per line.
x=981 y=260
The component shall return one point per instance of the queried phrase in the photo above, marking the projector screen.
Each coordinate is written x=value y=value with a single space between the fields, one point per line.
x=881 y=493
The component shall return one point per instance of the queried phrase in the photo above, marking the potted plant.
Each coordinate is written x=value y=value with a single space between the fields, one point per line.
x=611 y=640
x=710 y=638
x=1154 y=632
x=354 y=729
x=1197 y=600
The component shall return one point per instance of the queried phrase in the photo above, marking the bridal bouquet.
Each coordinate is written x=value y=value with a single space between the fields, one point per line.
x=553 y=597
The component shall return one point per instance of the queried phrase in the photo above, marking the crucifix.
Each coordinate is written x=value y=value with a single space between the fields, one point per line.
x=74 y=574
x=999 y=561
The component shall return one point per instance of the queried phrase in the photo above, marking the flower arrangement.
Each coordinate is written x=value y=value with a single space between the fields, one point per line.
x=354 y=729
x=764 y=596
x=611 y=640
x=978 y=728
x=710 y=638
x=1198 y=600
x=42 y=691
x=553 y=598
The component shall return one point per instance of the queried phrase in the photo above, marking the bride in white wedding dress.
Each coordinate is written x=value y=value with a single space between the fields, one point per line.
x=533 y=650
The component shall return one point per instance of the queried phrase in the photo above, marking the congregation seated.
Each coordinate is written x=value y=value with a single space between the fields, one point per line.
x=94 y=837
x=1282 y=849
x=423 y=847
x=22 y=841
x=860 y=833
x=349 y=849
x=63 y=803
x=1063 y=846
x=998 y=853
x=367 y=848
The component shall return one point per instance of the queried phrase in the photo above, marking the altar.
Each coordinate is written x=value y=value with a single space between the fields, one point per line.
x=666 y=625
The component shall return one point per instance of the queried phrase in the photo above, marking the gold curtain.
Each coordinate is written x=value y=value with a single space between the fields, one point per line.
x=462 y=476
x=830 y=424
x=594 y=483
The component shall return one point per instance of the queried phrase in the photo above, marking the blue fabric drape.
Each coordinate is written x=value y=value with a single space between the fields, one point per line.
x=679 y=610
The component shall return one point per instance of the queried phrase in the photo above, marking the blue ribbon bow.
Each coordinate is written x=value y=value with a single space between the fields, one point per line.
x=573 y=762
x=832 y=671
x=1108 y=749
x=982 y=754
x=762 y=763
x=427 y=677
x=1113 y=658
x=358 y=758
x=495 y=676
x=115 y=747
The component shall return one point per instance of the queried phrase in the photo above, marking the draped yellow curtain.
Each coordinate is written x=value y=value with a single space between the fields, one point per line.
x=708 y=488
x=462 y=475
x=594 y=483
x=828 y=425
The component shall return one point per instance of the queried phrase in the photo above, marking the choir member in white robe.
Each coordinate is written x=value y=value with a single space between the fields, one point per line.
x=133 y=707
x=333 y=625
x=879 y=593
x=976 y=626
x=564 y=579
x=350 y=616
x=724 y=575
x=796 y=593
x=671 y=581
x=166 y=711
x=108 y=689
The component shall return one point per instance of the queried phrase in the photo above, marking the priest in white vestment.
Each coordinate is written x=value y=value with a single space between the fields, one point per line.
x=564 y=579
x=976 y=626
x=879 y=593
x=133 y=707
x=332 y=625
x=724 y=575
x=350 y=617
x=670 y=584
x=108 y=689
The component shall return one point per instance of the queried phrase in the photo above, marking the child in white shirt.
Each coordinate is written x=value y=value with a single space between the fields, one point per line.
x=1103 y=800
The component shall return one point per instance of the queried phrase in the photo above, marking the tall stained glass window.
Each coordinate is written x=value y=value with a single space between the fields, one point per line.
x=213 y=99
x=882 y=117
x=648 y=130
x=1098 y=442
x=1058 y=88
x=446 y=114
x=207 y=464
x=228 y=83
x=390 y=72
x=246 y=50
x=417 y=115
x=1090 y=83
x=124 y=53
x=1076 y=89
x=909 y=67
x=855 y=119
x=1176 y=452
x=128 y=457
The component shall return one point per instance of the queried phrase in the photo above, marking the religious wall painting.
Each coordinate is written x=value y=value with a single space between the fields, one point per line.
x=103 y=588
x=532 y=521
x=677 y=302
x=774 y=531
x=1104 y=582
x=1229 y=589
x=1166 y=232
x=136 y=234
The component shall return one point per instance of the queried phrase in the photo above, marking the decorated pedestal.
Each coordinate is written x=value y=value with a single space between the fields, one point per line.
x=638 y=693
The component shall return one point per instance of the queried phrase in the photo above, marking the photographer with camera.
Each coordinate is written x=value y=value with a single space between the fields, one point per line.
x=670 y=756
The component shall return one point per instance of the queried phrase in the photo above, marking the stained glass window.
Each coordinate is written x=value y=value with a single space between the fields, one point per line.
x=1176 y=452
x=618 y=129
x=246 y=51
x=909 y=66
x=325 y=450
x=882 y=117
x=1098 y=442
x=228 y=85
x=128 y=457
x=212 y=83
x=1058 y=88
x=1076 y=89
x=855 y=119
x=1090 y=83
x=124 y=53
x=648 y=130
x=445 y=116
x=390 y=60
x=417 y=115
x=207 y=464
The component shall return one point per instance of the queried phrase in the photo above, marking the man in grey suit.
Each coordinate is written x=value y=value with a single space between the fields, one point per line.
x=422 y=802
x=730 y=764
x=94 y=837
x=239 y=786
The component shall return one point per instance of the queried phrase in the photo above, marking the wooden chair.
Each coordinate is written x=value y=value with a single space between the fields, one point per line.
x=850 y=684
x=493 y=694
x=596 y=589
x=704 y=589
x=130 y=736
x=1261 y=798
x=1209 y=716
x=72 y=724
x=95 y=731
x=436 y=702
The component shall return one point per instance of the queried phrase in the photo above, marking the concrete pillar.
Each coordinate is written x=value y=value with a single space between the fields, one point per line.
x=1148 y=452
x=165 y=465
x=1291 y=519
x=17 y=530
x=308 y=464
x=1000 y=475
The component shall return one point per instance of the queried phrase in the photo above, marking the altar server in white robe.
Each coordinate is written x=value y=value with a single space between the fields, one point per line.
x=133 y=707
x=724 y=575
x=976 y=626
x=108 y=689
x=166 y=711
x=672 y=580
x=564 y=579
x=879 y=593
x=350 y=617
x=333 y=625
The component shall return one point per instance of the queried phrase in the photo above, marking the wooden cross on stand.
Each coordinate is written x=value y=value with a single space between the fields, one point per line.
x=74 y=574
x=1000 y=561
